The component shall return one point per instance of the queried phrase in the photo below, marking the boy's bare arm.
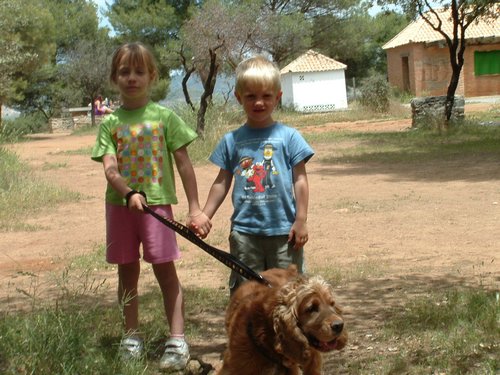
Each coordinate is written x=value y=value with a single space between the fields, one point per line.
x=299 y=232
x=218 y=192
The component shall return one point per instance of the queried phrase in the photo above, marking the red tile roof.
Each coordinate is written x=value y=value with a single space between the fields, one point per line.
x=420 y=31
x=312 y=61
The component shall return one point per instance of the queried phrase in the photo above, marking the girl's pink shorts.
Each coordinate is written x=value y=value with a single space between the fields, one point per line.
x=126 y=231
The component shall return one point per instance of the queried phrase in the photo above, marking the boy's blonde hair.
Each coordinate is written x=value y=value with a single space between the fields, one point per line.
x=257 y=71
x=136 y=54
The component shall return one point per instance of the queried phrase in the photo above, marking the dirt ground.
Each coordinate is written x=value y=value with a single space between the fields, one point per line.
x=406 y=228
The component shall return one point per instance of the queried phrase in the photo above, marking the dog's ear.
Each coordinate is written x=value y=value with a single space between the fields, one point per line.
x=289 y=339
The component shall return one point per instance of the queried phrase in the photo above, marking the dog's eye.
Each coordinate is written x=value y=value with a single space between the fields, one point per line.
x=312 y=308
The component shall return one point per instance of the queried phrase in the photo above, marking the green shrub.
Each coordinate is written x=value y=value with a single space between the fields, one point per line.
x=12 y=130
x=401 y=96
x=22 y=194
x=375 y=94
x=218 y=120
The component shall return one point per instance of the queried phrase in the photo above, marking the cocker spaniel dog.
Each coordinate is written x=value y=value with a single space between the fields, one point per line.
x=283 y=329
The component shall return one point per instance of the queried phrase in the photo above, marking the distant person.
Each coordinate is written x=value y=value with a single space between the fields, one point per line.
x=100 y=107
x=138 y=144
x=267 y=161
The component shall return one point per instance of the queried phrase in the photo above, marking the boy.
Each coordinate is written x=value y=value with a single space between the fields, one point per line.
x=267 y=160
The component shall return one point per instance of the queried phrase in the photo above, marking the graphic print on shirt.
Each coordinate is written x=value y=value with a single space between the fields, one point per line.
x=258 y=175
x=269 y=165
x=140 y=152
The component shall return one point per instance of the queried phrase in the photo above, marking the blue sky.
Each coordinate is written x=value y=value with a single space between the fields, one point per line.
x=101 y=4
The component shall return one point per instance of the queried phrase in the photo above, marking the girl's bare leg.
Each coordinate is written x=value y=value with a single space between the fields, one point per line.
x=128 y=278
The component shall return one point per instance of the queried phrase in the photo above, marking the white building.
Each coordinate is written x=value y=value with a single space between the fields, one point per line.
x=314 y=83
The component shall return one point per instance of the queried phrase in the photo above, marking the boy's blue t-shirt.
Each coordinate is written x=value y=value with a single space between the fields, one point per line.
x=262 y=161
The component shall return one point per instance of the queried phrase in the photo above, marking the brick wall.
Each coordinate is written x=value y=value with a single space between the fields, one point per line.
x=429 y=71
x=394 y=67
x=480 y=85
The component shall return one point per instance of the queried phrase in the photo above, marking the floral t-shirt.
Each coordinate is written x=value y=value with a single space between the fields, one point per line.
x=143 y=141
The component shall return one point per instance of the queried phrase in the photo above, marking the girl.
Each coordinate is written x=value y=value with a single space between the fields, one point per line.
x=136 y=144
x=100 y=107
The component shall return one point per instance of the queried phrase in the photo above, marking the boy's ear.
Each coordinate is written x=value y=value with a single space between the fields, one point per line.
x=238 y=97
x=280 y=94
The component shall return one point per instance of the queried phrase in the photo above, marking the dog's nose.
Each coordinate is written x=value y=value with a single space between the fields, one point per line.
x=337 y=326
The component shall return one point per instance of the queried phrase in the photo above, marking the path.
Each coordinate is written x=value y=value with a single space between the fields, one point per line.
x=404 y=227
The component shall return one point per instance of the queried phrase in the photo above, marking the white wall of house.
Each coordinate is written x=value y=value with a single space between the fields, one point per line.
x=314 y=91
x=287 y=89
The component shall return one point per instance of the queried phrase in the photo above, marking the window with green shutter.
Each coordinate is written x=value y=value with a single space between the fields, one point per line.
x=486 y=62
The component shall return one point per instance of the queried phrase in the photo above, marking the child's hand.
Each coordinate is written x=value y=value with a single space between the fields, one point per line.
x=136 y=201
x=200 y=224
x=298 y=234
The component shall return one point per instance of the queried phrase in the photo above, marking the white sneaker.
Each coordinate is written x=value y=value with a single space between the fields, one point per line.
x=176 y=355
x=131 y=348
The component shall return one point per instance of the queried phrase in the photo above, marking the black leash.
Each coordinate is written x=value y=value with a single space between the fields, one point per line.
x=226 y=258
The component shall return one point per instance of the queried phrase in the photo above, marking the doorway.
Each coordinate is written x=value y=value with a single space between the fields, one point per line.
x=406 y=73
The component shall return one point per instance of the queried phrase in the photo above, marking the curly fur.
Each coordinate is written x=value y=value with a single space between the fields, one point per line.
x=283 y=329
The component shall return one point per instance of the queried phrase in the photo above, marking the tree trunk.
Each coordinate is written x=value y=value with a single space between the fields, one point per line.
x=185 y=79
x=450 y=95
x=200 y=122
x=208 y=86
x=92 y=112
x=457 y=62
x=185 y=91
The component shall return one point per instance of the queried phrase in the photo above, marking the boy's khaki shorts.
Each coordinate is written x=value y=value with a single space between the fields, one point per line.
x=261 y=253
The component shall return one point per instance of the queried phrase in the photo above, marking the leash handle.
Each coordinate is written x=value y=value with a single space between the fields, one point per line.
x=226 y=258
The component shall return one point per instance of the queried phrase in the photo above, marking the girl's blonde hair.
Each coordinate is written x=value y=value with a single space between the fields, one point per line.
x=257 y=71
x=136 y=54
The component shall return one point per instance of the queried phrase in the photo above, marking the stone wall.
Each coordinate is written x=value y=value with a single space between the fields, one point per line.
x=81 y=121
x=426 y=110
x=61 y=124
x=69 y=122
